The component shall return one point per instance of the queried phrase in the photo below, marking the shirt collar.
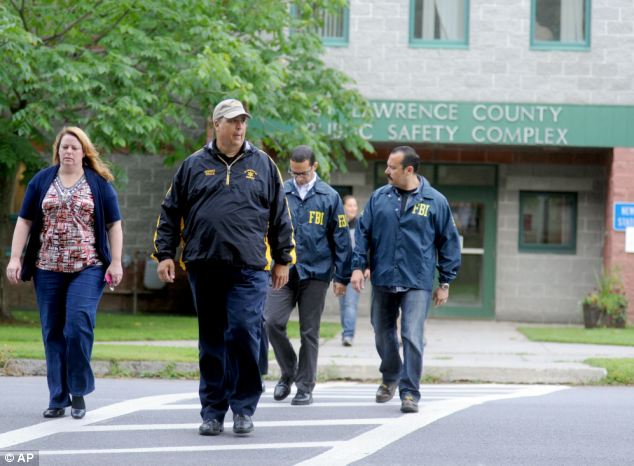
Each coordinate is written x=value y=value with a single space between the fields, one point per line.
x=308 y=186
x=305 y=189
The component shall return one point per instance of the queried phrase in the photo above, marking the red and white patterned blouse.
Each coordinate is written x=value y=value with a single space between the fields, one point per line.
x=68 y=232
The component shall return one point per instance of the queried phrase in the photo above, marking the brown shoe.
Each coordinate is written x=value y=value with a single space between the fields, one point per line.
x=409 y=404
x=385 y=392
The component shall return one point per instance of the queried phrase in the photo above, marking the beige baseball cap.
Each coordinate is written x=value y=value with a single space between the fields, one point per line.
x=229 y=108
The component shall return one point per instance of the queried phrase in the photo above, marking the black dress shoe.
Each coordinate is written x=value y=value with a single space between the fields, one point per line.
x=54 y=412
x=78 y=407
x=242 y=424
x=302 y=398
x=211 y=427
x=282 y=389
x=77 y=413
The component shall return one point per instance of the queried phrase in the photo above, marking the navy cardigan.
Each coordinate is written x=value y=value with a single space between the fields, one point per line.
x=106 y=212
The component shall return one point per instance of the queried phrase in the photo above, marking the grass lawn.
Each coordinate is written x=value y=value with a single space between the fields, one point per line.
x=596 y=336
x=620 y=371
x=23 y=338
x=110 y=327
x=35 y=350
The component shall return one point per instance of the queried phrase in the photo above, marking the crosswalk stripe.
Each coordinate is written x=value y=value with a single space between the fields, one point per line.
x=374 y=440
x=258 y=424
x=193 y=448
x=363 y=396
x=60 y=425
x=281 y=405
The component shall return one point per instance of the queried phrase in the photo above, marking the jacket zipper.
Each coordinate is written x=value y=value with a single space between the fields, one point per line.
x=229 y=165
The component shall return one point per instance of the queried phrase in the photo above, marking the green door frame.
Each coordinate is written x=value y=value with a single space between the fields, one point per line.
x=486 y=196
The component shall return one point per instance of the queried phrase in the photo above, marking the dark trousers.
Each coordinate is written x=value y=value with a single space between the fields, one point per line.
x=264 y=349
x=68 y=309
x=310 y=297
x=229 y=304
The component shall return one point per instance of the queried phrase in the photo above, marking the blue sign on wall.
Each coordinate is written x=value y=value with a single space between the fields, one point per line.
x=623 y=215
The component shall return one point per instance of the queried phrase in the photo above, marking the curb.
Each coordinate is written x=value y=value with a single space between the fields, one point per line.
x=576 y=374
x=37 y=367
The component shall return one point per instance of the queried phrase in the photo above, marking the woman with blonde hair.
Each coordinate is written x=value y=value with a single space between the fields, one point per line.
x=70 y=219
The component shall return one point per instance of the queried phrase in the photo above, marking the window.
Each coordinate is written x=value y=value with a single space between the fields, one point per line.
x=342 y=190
x=439 y=23
x=560 y=24
x=334 y=31
x=466 y=175
x=334 y=25
x=548 y=222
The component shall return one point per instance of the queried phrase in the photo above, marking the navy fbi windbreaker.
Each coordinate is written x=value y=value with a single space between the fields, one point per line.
x=402 y=250
x=234 y=214
x=321 y=233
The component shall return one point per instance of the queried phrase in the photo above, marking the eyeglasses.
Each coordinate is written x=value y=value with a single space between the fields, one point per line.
x=296 y=174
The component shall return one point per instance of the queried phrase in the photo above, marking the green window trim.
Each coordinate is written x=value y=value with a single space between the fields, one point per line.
x=329 y=41
x=566 y=248
x=560 y=45
x=344 y=39
x=415 y=42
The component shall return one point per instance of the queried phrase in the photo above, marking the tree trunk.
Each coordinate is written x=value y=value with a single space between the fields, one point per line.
x=7 y=190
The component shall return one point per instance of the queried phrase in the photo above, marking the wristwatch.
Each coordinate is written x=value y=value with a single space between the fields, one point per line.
x=444 y=286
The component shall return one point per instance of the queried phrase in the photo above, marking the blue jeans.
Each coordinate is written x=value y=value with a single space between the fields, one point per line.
x=229 y=302
x=68 y=309
x=414 y=306
x=348 y=310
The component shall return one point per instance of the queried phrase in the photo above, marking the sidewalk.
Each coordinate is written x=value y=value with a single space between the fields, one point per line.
x=457 y=350
x=476 y=351
x=465 y=350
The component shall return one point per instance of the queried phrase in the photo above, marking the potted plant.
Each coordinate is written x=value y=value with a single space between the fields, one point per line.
x=591 y=310
x=607 y=305
x=615 y=306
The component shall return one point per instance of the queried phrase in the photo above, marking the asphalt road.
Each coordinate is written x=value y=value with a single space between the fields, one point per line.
x=154 y=422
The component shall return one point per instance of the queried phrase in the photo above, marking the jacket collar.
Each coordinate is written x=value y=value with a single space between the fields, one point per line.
x=212 y=148
x=318 y=188
x=424 y=189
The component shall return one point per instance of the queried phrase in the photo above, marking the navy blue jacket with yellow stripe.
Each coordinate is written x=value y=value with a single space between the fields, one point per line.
x=227 y=213
x=321 y=233
x=402 y=250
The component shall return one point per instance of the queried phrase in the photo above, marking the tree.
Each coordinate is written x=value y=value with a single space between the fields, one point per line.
x=142 y=75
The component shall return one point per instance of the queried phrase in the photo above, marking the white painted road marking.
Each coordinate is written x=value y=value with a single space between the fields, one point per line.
x=374 y=440
x=383 y=431
x=252 y=446
x=186 y=426
x=65 y=424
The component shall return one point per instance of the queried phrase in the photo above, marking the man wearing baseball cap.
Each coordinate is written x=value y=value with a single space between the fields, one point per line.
x=227 y=205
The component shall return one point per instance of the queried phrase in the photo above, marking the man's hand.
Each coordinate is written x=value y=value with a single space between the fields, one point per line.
x=339 y=289
x=440 y=296
x=166 y=271
x=279 y=276
x=358 y=279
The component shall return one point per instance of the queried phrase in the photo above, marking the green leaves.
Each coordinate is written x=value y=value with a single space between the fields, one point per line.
x=144 y=74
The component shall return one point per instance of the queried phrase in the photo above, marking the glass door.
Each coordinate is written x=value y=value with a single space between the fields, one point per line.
x=471 y=294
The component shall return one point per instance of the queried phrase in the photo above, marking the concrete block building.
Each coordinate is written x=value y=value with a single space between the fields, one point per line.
x=523 y=113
